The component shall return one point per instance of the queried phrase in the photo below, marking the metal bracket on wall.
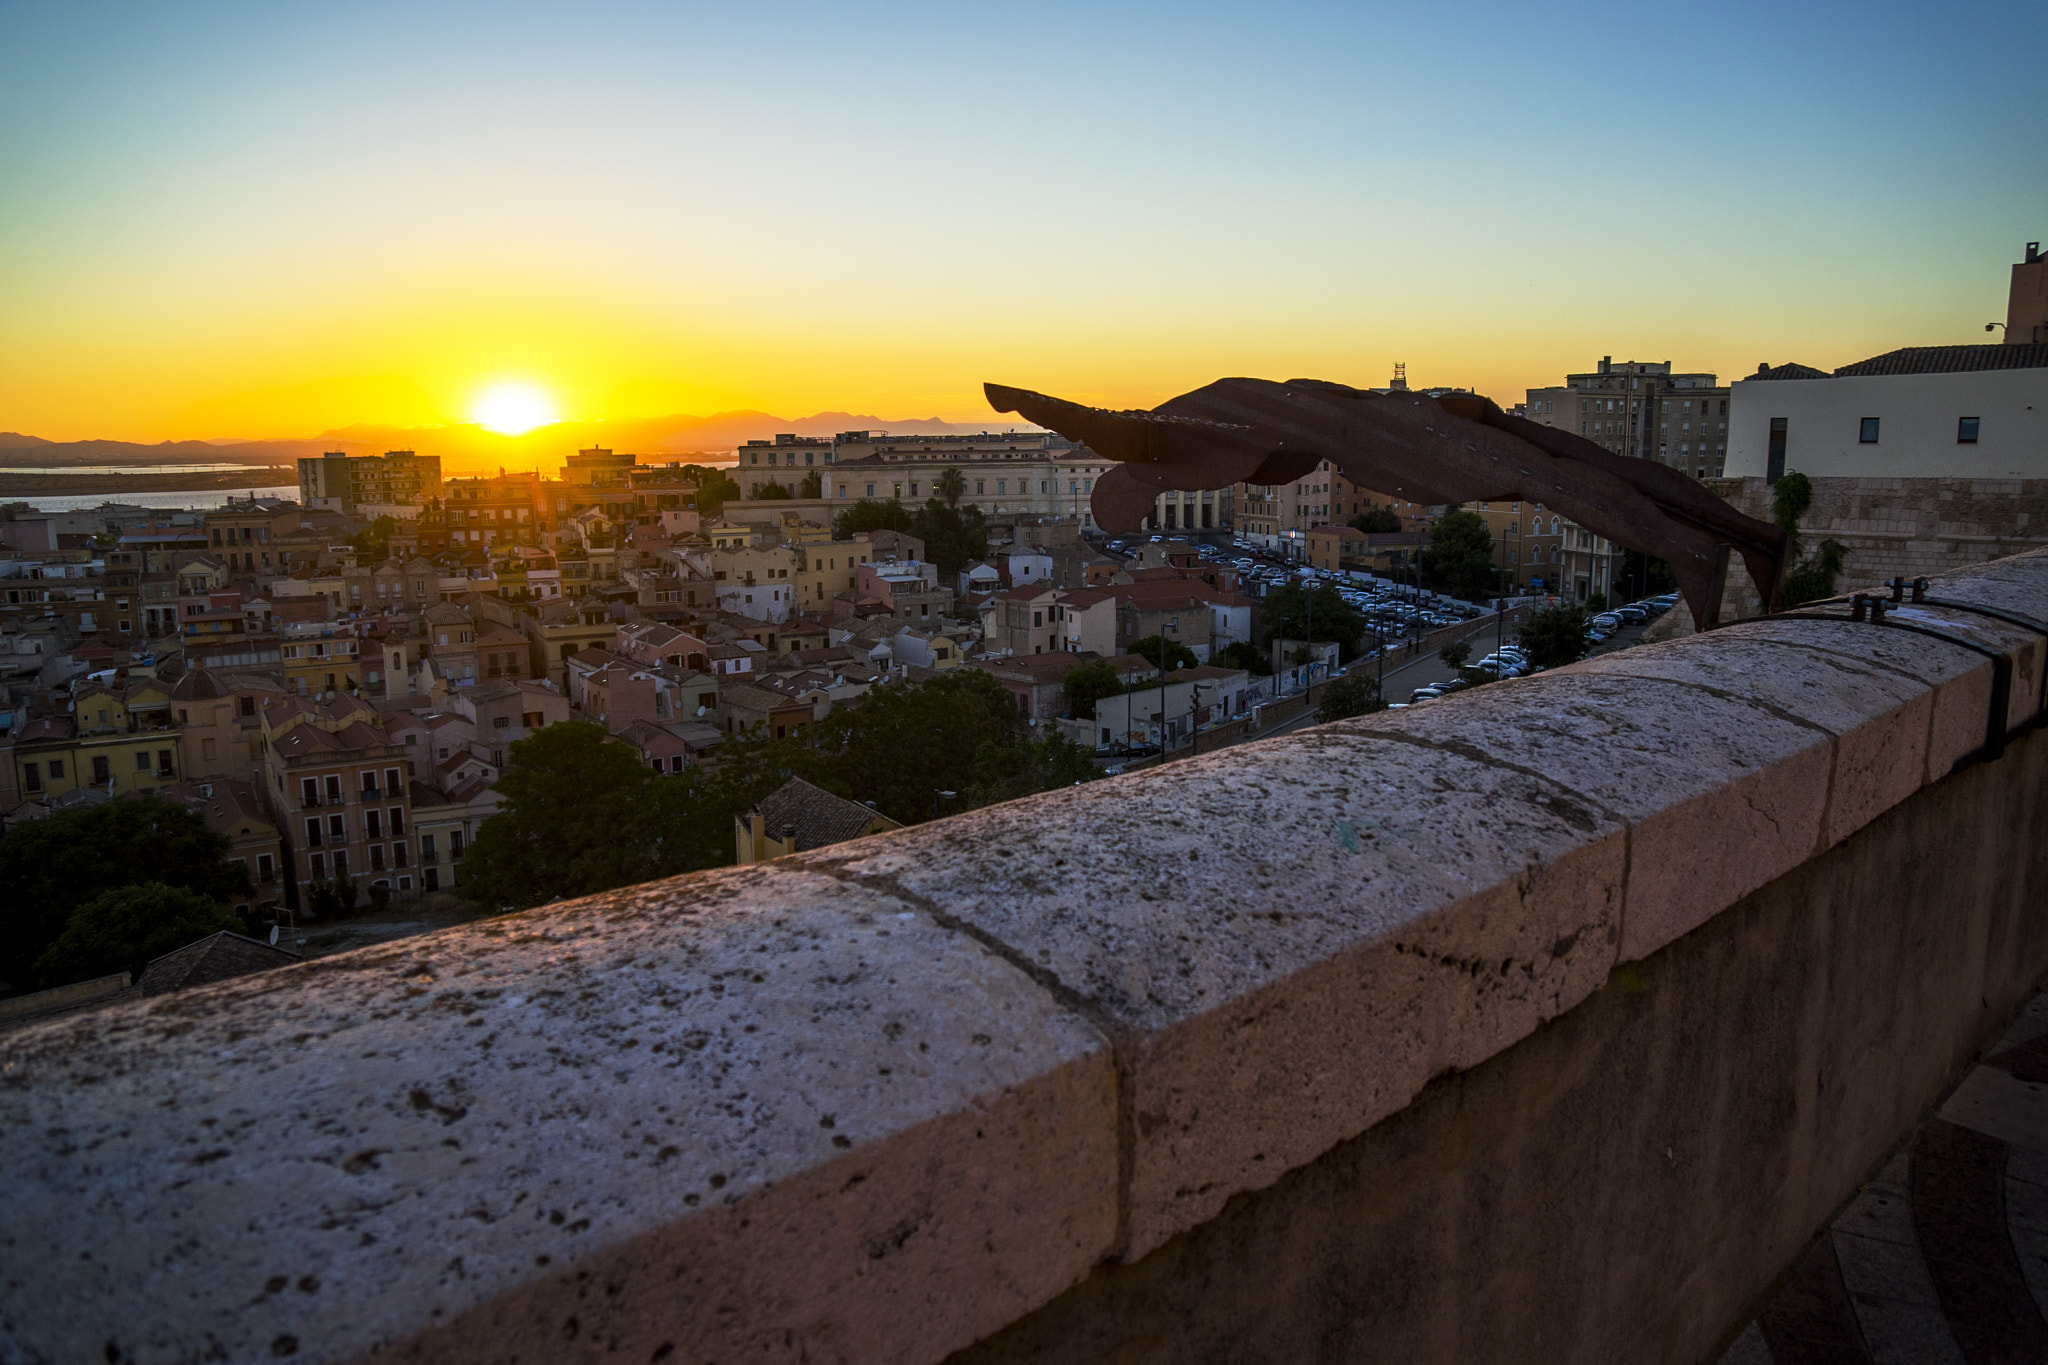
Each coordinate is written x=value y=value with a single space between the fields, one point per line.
x=1872 y=610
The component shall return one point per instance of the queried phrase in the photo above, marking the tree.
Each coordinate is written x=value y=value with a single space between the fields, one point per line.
x=1004 y=772
x=126 y=928
x=1377 y=520
x=952 y=538
x=373 y=544
x=1290 y=612
x=50 y=867
x=771 y=492
x=1459 y=559
x=952 y=487
x=1352 y=694
x=573 y=822
x=1455 y=653
x=714 y=490
x=1554 y=635
x=902 y=743
x=1089 y=683
x=1597 y=603
x=868 y=516
x=1247 y=656
x=1157 y=651
x=813 y=485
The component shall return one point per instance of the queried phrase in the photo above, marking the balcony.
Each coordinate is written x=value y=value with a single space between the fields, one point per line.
x=1547 y=1021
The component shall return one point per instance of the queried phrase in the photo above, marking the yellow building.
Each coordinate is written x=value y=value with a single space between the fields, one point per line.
x=321 y=659
x=798 y=816
x=115 y=742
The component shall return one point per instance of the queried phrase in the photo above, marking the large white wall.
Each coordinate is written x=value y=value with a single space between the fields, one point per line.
x=1917 y=437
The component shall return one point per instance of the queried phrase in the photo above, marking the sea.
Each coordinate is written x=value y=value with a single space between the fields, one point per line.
x=198 y=499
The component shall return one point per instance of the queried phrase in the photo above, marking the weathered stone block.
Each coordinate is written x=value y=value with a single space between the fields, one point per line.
x=1288 y=941
x=756 y=1113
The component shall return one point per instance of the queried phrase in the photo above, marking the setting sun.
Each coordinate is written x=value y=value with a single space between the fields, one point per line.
x=514 y=408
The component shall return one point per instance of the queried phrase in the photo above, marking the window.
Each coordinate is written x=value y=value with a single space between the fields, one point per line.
x=265 y=872
x=391 y=781
x=313 y=832
x=317 y=862
x=430 y=880
x=455 y=845
x=1966 y=431
x=337 y=830
x=1775 y=469
x=376 y=857
x=334 y=788
x=142 y=760
x=102 y=771
x=373 y=825
x=32 y=776
x=427 y=854
x=56 y=770
x=398 y=822
x=1868 y=435
x=340 y=864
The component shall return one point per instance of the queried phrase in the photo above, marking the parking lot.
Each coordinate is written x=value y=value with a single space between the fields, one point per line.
x=1403 y=613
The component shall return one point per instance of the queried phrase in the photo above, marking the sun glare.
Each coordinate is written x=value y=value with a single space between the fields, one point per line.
x=514 y=408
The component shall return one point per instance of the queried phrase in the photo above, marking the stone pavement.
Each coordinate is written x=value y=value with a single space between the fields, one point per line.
x=1943 y=1256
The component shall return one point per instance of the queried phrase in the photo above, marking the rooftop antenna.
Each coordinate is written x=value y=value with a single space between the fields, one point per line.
x=1400 y=376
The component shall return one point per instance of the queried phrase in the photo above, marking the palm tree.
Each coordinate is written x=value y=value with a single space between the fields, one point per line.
x=952 y=486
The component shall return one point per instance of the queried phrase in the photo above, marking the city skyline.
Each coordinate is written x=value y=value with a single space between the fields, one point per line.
x=260 y=223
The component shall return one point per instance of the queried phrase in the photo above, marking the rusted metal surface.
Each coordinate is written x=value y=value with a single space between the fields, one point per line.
x=1455 y=449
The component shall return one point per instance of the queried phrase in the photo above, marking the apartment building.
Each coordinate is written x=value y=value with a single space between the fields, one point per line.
x=369 y=485
x=1642 y=408
x=339 y=790
x=1005 y=474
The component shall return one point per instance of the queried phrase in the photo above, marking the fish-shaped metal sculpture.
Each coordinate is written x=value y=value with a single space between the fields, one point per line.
x=1449 y=450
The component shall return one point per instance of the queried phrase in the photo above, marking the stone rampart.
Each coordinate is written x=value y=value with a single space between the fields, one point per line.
x=1544 y=1022
x=1901 y=527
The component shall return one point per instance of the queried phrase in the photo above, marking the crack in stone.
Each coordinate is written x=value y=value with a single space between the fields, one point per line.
x=1122 y=1040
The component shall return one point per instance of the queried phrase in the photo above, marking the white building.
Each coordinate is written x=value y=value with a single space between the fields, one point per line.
x=1921 y=412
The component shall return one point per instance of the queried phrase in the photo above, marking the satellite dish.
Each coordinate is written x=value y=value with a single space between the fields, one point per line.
x=273 y=935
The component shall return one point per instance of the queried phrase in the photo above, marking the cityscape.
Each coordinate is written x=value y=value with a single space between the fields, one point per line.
x=603 y=841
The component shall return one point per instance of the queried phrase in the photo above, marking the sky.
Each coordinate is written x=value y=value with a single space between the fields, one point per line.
x=239 y=221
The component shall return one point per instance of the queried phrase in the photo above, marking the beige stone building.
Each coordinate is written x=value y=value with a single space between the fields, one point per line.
x=1641 y=408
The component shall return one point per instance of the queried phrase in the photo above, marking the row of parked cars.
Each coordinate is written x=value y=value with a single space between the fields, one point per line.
x=1511 y=662
x=1607 y=623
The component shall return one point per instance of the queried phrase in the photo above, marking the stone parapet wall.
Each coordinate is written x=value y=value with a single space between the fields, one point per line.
x=951 y=1087
x=1898 y=527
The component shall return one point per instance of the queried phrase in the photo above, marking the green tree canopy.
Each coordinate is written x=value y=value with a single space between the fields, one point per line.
x=1352 y=694
x=952 y=487
x=813 y=485
x=373 y=544
x=771 y=492
x=902 y=743
x=1455 y=653
x=953 y=537
x=1153 y=649
x=869 y=515
x=126 y=928
x=1459 y=559
x=715 y=488
x=1555 y=635
x=50 y=867
x=1089 y=683
x=1245 y=655
x=1377 y=520
x=1291 y=612
x=1004 y=772
x=574 y=820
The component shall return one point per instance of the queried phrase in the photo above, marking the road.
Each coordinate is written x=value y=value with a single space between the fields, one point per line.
x=1425 y=669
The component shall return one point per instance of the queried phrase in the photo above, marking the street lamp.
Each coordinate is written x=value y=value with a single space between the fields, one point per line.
x=936 y=796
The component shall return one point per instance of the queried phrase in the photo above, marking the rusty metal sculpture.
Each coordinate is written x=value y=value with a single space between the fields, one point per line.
x=1454 y=449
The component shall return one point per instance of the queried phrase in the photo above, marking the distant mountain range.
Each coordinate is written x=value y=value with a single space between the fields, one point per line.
x=466 y=448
